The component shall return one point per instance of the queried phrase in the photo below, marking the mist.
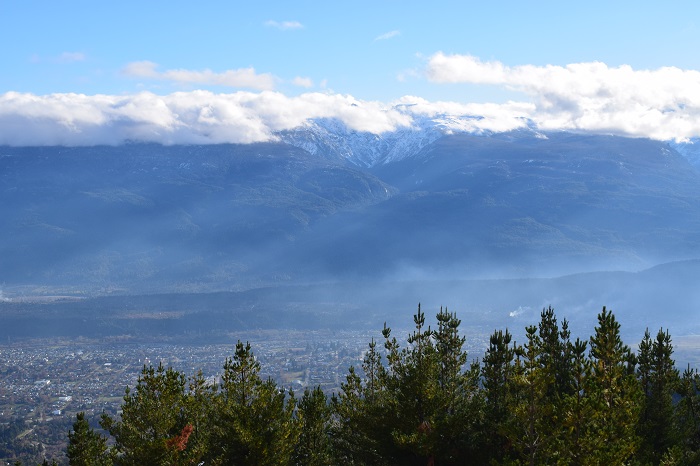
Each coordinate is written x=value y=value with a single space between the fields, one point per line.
x=212 y=239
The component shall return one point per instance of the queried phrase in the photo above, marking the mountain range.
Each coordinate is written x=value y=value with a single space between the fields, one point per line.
x=323 y=204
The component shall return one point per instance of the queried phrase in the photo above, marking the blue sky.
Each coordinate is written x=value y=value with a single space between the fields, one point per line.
x=378 y=51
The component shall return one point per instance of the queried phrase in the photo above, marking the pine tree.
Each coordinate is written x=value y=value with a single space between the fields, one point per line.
x=614 y=395
x=459 y=418
x=688 y=416
x=153 y=414
x=199 y=409
x=574 y=410
x=659 y=379
x=529 y=429
x=313 y=415
x=85 y=446
x=359 y=429
x=498 y=371
x=557 y=377
x=254 y=422
x=412 y=382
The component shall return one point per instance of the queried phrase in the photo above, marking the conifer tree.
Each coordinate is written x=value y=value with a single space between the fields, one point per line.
x=614 y=395
x=688 y=416
x=459 y=419
x=354 y=425
x=658 y=378
x=529 y=429
x=199 y=406
x=85 y=446
x=254 y=421
x=574 y=410
x=412 y=382
x=313 y=416
x=153 y=414
x=497 y=372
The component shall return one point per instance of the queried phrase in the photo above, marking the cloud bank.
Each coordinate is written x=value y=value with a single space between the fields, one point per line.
x=197 y=117
x=661 y=104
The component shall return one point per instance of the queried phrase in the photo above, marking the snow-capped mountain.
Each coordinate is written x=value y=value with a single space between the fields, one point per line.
x=689 y=149
x=331 y=138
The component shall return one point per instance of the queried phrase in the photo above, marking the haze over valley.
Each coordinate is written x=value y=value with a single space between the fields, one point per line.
x=330 y=227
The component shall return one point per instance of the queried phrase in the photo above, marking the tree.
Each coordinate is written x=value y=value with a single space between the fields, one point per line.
x=152 y=414
x=459 y=418
x=415 y=410
x=254 y=422
x=530 y=428
x=412 y=385
x=85 y=446
x=659 y=379
x=574 y=410
x=614 y=396
x=498 y=371
x=688 y=416
x=361 y=414
x=313 y=416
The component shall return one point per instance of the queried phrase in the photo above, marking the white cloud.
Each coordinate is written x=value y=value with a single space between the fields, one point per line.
x=303 y=82
x=197 y=117
x=141 y=69
x=70 y=57
x=474 y=117
x=661 y=104
x=242 y=77
x=388 y=35
x=63 y=58
x=284 y=25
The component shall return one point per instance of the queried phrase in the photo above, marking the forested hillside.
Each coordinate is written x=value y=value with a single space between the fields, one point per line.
x=548 y=400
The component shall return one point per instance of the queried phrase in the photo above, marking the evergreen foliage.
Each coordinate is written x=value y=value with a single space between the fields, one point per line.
x=85 y=446
x=548 y=401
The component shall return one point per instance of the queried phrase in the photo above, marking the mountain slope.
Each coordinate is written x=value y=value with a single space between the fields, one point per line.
x=522 y=204
x=150 y=218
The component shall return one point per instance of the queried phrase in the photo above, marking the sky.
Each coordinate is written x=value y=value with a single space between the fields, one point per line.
x=86 y=72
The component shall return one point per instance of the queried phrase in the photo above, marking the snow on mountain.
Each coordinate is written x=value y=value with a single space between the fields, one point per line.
x=689 y=149
x=331 y=138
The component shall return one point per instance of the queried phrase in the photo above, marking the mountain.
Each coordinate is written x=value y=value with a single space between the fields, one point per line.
x=689 y=149
x=519 y=204
x=330 y=138
x=326 y=204
x=147 y=217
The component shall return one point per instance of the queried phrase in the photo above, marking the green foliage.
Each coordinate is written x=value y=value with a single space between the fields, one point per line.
x=313 y=447
x=659 y=380
x=254 y=423
x=614 y=396
x=688 y=417
x=156 y=421
x=414 y=410
x=85 y=446
x=549 y=401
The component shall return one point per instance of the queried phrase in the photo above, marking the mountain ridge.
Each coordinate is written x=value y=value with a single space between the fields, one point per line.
x=218 y=217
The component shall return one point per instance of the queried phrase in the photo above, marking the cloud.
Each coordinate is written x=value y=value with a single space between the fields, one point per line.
x=388 y=35
x=471 y=118
x=284 y=25
x=64 y=58
x=303 y=82
x=661 y=104
x=70 y=57
x=242 y=77
x=197 y=117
